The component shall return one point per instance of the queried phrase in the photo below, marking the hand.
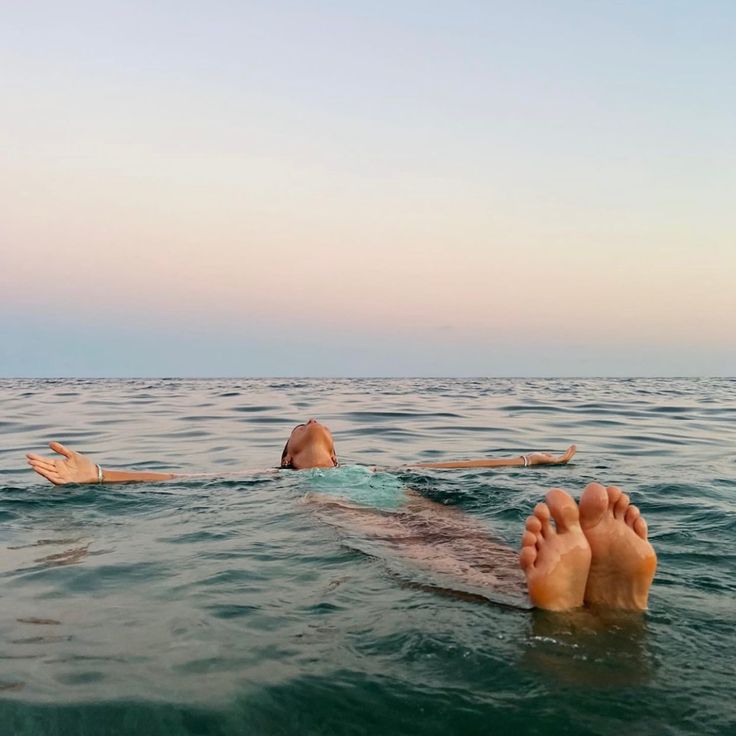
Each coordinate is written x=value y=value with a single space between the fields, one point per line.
x=545 y=458
x=73 y=468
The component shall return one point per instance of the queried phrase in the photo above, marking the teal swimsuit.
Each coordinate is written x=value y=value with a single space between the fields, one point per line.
x=359 y=484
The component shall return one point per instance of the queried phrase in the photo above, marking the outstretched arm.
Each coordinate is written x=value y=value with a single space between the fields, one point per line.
x=533 y=458
x=73 y=467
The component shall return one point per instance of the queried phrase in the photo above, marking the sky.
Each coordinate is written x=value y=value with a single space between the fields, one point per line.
x=367 y=188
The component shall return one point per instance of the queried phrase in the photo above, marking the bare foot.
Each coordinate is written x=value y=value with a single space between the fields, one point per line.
x=555 y=559
x=624 y=562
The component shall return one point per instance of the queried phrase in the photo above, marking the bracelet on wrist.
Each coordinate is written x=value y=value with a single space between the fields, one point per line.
x=100 y=476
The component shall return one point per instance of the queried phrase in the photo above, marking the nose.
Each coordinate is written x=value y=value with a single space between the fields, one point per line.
x=312 y=421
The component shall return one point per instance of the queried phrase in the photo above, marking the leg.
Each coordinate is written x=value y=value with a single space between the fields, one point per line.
x=456 y=548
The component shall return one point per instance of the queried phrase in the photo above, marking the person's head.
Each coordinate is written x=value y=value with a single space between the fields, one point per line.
x=310 y=445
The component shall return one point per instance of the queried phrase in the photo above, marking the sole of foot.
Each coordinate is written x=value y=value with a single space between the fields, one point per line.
x=555 y=557
x=623 y=562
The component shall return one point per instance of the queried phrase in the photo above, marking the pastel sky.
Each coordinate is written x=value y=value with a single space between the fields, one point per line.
x=367 y=188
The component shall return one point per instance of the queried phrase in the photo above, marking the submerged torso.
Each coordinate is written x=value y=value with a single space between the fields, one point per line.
x=357 y=483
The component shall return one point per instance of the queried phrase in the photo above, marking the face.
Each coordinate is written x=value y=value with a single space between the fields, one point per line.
x=310 y=445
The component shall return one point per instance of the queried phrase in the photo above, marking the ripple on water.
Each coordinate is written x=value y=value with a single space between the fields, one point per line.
x=223 y=605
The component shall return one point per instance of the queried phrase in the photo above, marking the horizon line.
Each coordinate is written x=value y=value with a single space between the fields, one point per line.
x=361 y=377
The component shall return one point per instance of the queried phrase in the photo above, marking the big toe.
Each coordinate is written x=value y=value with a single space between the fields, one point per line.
x=563 y=508
x=593 y=504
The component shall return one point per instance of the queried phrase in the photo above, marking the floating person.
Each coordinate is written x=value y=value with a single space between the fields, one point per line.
x=595 y=554
x=310 y=445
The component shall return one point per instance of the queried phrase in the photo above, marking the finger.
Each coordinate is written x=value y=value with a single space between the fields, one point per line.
x=49 y=465
x=50 y=475
x=32 y=456
x=58 y=447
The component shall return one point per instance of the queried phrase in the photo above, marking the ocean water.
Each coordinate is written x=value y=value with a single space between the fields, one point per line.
x=223 y=604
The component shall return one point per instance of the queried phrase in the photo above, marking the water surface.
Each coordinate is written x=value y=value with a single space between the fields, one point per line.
x=222 y=605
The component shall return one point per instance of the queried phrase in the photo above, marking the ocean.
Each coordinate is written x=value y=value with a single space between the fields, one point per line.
x=222 y=604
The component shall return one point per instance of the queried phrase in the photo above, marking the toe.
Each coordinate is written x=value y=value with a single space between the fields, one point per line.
x=533 y=525
x=528 y=554
x=529 y=539
x=614 y=493
x=527 y=557
x=541 y=511
x=622 y=504
x=593 y=504
x=563 y=508
x=640 y=527
x=632 y=514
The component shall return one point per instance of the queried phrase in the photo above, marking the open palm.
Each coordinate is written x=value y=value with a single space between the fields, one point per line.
x=72 y=467
x=545 y=458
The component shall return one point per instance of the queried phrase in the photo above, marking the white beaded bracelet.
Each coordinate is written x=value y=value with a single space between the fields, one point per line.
x=100 y=478
x=525 y=458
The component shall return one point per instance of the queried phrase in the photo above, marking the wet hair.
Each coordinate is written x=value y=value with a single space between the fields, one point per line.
x=284 y=464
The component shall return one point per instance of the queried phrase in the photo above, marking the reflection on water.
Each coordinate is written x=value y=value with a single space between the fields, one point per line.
x=233 y=603
x=600 y=649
